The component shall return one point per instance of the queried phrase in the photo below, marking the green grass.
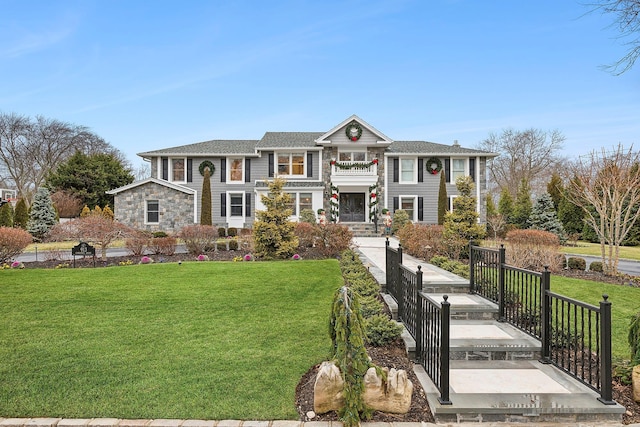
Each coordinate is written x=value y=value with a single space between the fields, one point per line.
x=625 y=302
x=198 y=340
x=593 y=249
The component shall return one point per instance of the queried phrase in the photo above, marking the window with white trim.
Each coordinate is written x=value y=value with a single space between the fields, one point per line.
x=236 y=204
x=458 y=168
x=178 y=170
x=300 y=201
x=352 y=156
x=408 y=204
x=235 y=169
x=152 y=212
x=408 y=171
x=291 y=164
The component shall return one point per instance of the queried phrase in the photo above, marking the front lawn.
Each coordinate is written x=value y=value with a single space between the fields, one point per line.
x=625 y=302
x=200 y=340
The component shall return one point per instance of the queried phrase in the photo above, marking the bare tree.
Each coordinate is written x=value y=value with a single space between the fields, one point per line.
x=531 y=155
x=627 y=19
x=607 y=187
x=30 y=149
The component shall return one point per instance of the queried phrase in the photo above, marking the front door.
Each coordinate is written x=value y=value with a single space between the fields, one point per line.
x=352 y=207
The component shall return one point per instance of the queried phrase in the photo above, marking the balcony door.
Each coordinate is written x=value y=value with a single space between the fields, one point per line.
x=352 y=207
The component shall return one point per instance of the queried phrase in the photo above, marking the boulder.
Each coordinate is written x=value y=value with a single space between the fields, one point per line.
x=635 y=378
x=392 y=395
x=327 y=391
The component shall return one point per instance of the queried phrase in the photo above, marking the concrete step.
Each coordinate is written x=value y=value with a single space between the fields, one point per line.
x=491 y=340
x=523 y=391
x=466 y=306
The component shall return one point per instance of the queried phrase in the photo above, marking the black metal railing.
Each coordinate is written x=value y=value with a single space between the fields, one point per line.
x=393 y=259
x=411 y=282
x=575 y=336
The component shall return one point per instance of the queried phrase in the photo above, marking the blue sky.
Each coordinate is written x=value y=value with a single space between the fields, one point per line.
x=150 y=74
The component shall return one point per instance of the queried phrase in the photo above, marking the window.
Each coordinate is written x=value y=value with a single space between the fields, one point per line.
x=153 y=212
x=178 y=170
x=292 y=203
x=236 y=204
x=291 y=164
x=457 y=168
x=235 y=170
x=355 y=156
x=304 y=201
x=408 y=171
x=408 y=204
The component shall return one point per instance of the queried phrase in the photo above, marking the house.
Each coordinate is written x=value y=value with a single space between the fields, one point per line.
x=352 y=171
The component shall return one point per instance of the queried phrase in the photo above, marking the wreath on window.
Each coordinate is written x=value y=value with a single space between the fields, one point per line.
x=206 y=164
x=434 y=165
x=353 y=131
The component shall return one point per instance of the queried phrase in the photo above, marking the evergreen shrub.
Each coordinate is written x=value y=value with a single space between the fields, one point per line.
x=307 y=216
x=400 y=219
x=381 y=330
x=232 y=232
x=575 y=263
x=159 y=234
x=596 y=266
x=222 y=232
x=233 y=245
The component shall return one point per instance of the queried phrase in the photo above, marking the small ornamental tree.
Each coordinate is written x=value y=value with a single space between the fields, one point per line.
x=6 y=215
x=544 y=217
x=400 y=219
x=443 y=200
x=12 y=242
x=108 y=213
x=273 y=232
x=42 y=217
x=523 y=205
x=462 y=222
x=21 y=214
x=505 y=206
x=347 y=330
x=205 y=209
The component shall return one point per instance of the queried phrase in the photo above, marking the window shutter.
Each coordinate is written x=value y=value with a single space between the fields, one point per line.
x=223 y=204
x=447 y=173
x=472 y=169
x=247 y=204
x=309 y=165
x=189 y=170
x=271 y=168
x=396 y=203
x=396 y=170
x=223 y=169
x=420 y=208
x=420 y=170
x=165 y=168
x=247 y=170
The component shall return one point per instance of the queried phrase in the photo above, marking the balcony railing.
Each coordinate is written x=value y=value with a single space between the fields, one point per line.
x=354 y=168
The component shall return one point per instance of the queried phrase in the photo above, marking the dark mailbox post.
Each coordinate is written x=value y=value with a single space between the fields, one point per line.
x=83 y=249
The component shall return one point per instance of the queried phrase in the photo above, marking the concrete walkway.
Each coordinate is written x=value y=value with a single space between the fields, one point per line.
x=481 y=389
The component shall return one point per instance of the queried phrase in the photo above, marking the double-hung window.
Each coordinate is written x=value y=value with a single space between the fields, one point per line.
x=236 y=204
x=152 y=215
x=458 y=168
x=408 y=203
x=235 y=169
x=178 y=170
x=352 y=156
x=408 y=171
x=291 y=164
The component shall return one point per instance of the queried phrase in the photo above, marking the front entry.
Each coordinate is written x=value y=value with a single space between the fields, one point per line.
x=352 y=207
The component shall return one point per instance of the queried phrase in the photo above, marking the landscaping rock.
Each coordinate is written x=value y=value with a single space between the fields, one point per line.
x=392 y=396
x=327 y=392
x=636 y=383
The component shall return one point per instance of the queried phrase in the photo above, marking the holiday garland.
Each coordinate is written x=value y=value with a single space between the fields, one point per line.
x=373 y=201
x=358 y=165
x=206 y=164
x=351 y=125
x=334 y=203
x=434 y=161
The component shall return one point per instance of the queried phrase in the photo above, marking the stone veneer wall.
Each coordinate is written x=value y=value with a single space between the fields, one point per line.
x=176 y=208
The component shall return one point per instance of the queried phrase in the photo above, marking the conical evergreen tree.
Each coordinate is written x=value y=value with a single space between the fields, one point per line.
x=505 y=206
x=544 y=217
x=462 y=221
x=555 y=188
x=273 y=232
x=205 y=209
x=523 y=205
x=443 y=200
x=42 y=217
x=6 y=215
x=21 y=215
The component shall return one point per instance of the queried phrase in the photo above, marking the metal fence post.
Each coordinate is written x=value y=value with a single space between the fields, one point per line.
x=445 y=336
x=419 y=316
x=501 y=284
x=606 y=386
x=545 y=316
x=472 y=270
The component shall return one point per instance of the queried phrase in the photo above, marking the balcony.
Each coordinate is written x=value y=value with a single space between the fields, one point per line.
x=358 y=173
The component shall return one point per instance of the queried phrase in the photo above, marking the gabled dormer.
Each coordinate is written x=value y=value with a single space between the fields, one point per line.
x=354 y=132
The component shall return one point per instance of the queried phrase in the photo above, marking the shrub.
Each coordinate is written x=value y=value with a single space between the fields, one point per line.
x=438 y=260
x=274 y=234
x=420 y=240
x=233 y=232
x=306 y=233
x=137 y=244
x=222 y=232
x=307 y=215
x=575 y=263
x=221 y=246
x=198 y=238
x=233 y=245
x=400 y=219
x=370 y=306
x=533 y=250
x=634 y=338
x=13 y=242
x=163 y=245
x=381 y=330
x=159 y=234
x=333 y=239
x=596 y=266
x=245 y=240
